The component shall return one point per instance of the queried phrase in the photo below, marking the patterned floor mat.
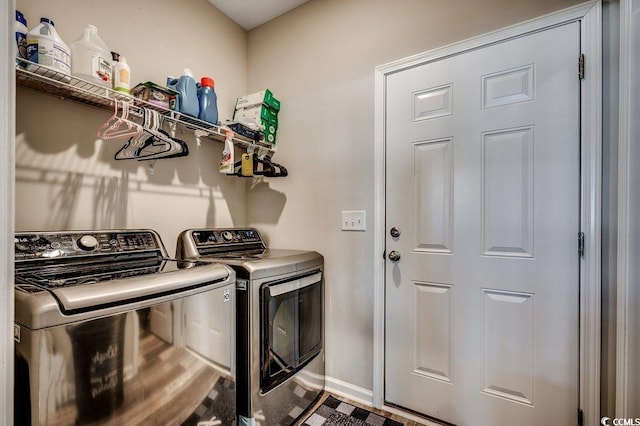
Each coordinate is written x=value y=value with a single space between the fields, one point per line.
x=334 y=412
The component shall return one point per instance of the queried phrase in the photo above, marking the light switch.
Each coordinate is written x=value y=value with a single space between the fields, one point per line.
x=354 y=220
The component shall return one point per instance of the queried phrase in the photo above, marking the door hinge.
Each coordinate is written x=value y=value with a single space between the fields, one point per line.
x=581 y=67
x=580 y=417
x=581 y=244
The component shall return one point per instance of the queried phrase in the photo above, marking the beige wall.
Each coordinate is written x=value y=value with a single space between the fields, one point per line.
x=320 y=60
x=67 y=179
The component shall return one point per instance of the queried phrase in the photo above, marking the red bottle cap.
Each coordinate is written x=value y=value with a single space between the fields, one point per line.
x=206 y=81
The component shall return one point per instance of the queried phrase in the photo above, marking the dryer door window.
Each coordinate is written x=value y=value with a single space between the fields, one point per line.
x=291 y=326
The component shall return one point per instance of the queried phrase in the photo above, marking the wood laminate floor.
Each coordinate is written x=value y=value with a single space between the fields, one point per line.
x=169 y=383
x=168 y=386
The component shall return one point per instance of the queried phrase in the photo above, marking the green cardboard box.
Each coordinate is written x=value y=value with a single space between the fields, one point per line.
x=270 y=134
x=259 y=98
x=257 y=114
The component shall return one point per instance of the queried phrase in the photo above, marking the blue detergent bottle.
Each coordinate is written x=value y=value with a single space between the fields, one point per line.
x=208 y=101
x=187 y=99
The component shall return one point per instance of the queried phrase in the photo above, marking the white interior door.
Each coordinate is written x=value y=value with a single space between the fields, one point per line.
x=483 y=184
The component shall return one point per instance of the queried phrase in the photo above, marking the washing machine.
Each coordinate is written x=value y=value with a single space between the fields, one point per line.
x=280 y=366
x=101 y=335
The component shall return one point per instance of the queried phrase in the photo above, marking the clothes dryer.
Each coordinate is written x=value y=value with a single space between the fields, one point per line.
x=279 y=321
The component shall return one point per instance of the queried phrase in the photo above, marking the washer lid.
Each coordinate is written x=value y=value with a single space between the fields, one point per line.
x=39 y=305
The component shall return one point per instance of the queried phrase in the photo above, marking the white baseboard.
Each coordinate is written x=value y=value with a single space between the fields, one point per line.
x=349 y=391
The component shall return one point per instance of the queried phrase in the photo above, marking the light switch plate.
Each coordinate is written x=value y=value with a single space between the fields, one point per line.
x=354 y=220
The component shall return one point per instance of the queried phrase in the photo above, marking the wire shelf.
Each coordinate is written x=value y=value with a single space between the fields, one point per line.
x=53 y=82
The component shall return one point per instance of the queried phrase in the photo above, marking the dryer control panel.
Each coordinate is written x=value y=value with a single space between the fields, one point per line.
x=195 y=243
x=219 y=237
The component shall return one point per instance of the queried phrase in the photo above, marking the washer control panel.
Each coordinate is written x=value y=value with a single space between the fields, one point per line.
x=44 y=245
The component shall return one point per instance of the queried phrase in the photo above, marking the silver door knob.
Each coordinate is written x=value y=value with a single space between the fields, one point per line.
x=395 y=232
x=394 y=256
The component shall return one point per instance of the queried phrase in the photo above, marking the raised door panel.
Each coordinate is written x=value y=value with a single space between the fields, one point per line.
x=507 y=345
x=507 y=192
x=432 y=331
x=433 y=187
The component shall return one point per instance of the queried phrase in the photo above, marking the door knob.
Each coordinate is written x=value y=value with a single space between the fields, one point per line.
x=395 y=232
x=394 y=256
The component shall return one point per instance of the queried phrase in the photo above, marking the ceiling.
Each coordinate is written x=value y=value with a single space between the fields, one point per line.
x=252 y=13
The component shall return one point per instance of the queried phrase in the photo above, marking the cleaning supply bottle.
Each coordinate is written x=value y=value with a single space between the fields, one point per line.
x=122 y=75
x=21 y=35
x=227 y=162
x=172 y=83
x=208 y=101
x=115 y=57
x=187 y=99
x=45 y=47
x=91 y=58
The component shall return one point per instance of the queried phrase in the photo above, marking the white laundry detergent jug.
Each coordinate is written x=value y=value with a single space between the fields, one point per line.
x=45 y=47
x=91 y=58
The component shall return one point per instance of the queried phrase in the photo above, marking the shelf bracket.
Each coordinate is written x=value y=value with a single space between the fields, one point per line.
x=172 y=128
x=199 y=134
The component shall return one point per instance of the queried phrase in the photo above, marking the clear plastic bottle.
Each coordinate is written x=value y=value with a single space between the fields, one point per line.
x=45 y=47
x=208 y=101
x=91 y=58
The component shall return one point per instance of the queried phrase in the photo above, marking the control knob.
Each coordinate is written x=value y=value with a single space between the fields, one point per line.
x=88 y=243
x=227 y=236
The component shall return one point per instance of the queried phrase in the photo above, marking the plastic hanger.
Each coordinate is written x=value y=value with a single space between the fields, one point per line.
x=161 y=145
x=130 y=150
x=112 y=121
x=154 y=143
x=119 y=127
x=262 y=166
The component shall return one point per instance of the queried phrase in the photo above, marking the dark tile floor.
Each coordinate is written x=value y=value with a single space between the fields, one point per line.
x=331 y=410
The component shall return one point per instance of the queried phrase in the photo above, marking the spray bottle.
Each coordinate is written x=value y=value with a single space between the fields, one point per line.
x=227 y=162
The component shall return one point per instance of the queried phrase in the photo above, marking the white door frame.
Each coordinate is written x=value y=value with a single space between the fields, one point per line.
x=589 y=15
x=7 y=185
x=625 y=255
